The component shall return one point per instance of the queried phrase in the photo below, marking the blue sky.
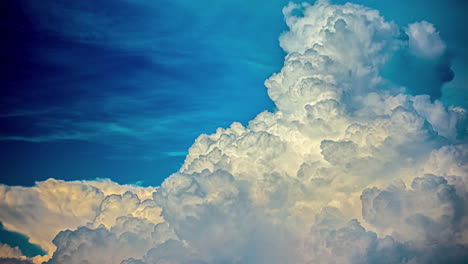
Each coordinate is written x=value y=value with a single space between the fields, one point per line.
x=121 y=89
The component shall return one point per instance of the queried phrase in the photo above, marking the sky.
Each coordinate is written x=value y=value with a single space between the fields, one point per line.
x=233 y=131
x=116 y=91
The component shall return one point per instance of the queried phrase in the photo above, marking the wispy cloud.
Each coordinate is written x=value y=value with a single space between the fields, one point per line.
x=176 y=153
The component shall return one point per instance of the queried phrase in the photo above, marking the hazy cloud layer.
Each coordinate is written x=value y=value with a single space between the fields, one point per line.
x=349 y=169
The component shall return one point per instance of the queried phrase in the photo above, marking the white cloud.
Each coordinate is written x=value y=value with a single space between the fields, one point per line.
x=424 y=40
x=305 y=184
x=40 y=212
x=8 y=252
x=9 y=255
x=430 y=217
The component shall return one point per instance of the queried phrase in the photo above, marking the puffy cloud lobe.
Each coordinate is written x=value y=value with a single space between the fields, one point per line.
x=42 y=211
x=351 y=243
x=213 y=214
x=431 y=216
x=97 y=246
x=423 y=63
x=316 y=68
x=11 y=255
x=424 y=40
x=321 y=180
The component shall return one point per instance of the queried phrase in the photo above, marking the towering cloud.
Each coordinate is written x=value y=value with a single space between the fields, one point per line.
x=349 y=169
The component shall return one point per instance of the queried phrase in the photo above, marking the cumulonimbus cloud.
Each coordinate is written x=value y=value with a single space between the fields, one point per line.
x=349 y=169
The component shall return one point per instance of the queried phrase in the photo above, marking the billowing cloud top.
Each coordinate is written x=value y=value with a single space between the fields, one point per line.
x=349 y=169
x=424 y=40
